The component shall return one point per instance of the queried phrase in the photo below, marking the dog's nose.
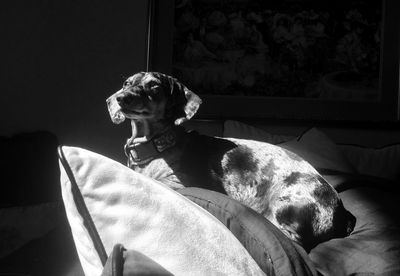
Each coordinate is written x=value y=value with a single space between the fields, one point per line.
x=120 y=99
x=124 y=100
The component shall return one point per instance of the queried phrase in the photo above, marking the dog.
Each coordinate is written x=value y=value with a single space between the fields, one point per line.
x=273 y=181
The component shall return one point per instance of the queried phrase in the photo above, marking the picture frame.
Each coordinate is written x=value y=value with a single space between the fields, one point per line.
x=385 y=107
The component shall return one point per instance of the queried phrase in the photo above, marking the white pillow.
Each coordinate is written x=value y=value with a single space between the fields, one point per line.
x=142 y=214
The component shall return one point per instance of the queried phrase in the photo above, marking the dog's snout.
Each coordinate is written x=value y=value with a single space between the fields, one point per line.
x=124 y=100
x=120 y=99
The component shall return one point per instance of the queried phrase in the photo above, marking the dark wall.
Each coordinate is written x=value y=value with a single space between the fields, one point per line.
x=61 y=60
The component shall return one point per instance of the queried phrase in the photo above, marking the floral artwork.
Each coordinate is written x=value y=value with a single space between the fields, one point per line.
x=292 y=48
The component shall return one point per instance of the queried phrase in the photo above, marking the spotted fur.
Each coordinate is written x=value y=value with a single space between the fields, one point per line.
x=273 y=181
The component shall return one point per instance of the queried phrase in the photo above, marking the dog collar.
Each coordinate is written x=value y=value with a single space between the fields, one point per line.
x=142 y=153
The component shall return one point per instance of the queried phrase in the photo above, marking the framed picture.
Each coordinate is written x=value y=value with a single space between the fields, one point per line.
x=293 y=59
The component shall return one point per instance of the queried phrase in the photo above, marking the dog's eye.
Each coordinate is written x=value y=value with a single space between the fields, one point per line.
x=154 y=90
x=126 y=83
x=154 y=96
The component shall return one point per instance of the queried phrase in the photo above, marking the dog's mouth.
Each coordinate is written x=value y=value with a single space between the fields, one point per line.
x=133 y=114
x=119 y=113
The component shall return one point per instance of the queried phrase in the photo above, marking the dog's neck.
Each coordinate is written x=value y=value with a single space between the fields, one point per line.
x=149 y=140
x=144 y=130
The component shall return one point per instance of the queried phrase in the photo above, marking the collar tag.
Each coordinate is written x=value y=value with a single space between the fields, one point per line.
x=165 y=141
x=139 y=154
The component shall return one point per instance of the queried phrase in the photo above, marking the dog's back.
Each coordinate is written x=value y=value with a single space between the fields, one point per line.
x=273 y=181
x=287 y=190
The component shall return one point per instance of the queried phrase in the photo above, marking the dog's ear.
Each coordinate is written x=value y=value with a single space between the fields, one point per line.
x=183 y=103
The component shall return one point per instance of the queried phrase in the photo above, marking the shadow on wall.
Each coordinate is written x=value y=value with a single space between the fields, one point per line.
x=61 y=60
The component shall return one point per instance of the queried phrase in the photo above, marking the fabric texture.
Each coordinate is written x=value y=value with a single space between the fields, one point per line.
x=22 y=224
x=318 y=149
x=381 y=162
x=325 y=155
x=269 y=247
x=146 y=216
x=373 y=248
x=29 y=170
x=53 y=253
x=313 y=146
x=124 y=262
x=235 y=129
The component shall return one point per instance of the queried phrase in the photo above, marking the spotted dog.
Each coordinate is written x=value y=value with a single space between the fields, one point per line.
x=273 y=181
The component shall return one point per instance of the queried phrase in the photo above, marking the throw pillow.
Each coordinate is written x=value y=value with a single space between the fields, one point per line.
x=318 y=149
x=235 y=129
x=313 y=146
x=381 y=162
x=373 y=248
x=107 y=203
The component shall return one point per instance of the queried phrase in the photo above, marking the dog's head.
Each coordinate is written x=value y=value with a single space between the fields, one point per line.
x=153 y=96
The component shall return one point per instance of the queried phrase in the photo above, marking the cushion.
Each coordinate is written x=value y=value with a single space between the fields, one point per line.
x=235 y=129
x=313 y=146
x=52 y=254
x=381 y=162
x=272 y=250
x=22 y=224
x=373 y=246
x=107 y=203
x=29 y=169
x=318 y=149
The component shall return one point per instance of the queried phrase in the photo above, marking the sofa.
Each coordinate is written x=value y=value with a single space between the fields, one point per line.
x=38 y=237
